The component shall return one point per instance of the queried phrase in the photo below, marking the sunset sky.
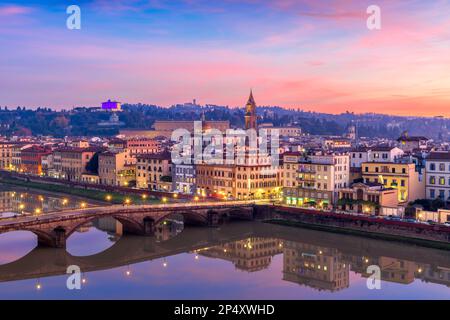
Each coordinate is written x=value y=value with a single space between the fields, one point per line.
x=308 y=54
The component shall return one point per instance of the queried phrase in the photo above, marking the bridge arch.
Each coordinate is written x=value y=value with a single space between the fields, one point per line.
x=130 y=225
x=189 y=217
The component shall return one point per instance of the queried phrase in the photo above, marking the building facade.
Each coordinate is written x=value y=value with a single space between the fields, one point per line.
x=371 y=198
x=184 y=178
x=31 y=159
x=116 y=168
x=319 y=179
x=401 y=176
x=154 y=171
x=437 y=176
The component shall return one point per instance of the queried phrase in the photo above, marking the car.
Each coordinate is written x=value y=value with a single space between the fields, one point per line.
x=447 y=223
x=411 y=220
x=431 y=222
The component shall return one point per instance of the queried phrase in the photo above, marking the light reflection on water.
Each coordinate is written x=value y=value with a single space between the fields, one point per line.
x=22 y=201
x=236 y=261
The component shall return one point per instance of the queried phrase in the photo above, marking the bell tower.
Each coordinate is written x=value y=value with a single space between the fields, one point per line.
x=250 y=113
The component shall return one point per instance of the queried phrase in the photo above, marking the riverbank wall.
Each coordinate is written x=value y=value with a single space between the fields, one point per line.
x=433 y=236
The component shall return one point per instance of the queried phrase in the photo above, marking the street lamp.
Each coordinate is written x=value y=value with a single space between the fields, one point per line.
x=83 y=205
x=108 y=197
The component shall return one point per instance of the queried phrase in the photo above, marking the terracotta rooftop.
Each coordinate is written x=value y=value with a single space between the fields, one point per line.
x=439 y=156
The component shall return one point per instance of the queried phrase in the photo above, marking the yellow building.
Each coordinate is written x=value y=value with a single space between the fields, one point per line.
x=154 y=171
x=116 y=168
x=238 y=181
x=6 y=155
x=401 y=176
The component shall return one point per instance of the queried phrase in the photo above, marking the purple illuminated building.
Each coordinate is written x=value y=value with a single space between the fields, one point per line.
x=111 y=106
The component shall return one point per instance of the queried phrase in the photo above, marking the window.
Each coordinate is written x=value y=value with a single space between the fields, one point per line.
x=432 y=166
x=442 y=181
x=441 y=194
x=432 y=193
x=432 y=180
x=442 y=167
x=403 y=170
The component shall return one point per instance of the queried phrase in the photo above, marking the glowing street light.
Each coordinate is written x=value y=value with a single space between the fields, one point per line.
x=144 y=196
x=108 y=197
x=38 y=285
x=65 y=201
x=164 y=199
x=83 y=205
x=37 y=211
x=127 y=201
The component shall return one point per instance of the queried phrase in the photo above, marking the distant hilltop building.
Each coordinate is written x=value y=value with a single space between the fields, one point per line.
x=112 y=122
x=111 y=106
x=164 y=128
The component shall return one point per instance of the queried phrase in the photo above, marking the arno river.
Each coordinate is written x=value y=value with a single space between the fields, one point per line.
x=244 y=260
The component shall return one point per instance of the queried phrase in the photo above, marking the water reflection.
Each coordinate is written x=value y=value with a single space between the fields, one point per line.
x=272 y=257
x=25 y=202
x=170 y=227
x=251 y=254
x=315 y=266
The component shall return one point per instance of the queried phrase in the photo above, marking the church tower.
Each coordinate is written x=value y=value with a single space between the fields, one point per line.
x=250 y=113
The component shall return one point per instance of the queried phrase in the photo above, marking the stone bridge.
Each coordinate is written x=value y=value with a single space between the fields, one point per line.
x=54 y=229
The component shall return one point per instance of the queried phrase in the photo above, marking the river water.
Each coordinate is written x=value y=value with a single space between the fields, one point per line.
x=241 y=260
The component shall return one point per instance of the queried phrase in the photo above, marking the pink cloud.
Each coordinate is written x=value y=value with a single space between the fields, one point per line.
x=13 y=10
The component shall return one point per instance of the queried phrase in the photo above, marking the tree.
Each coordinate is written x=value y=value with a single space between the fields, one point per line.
x=92 y=165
